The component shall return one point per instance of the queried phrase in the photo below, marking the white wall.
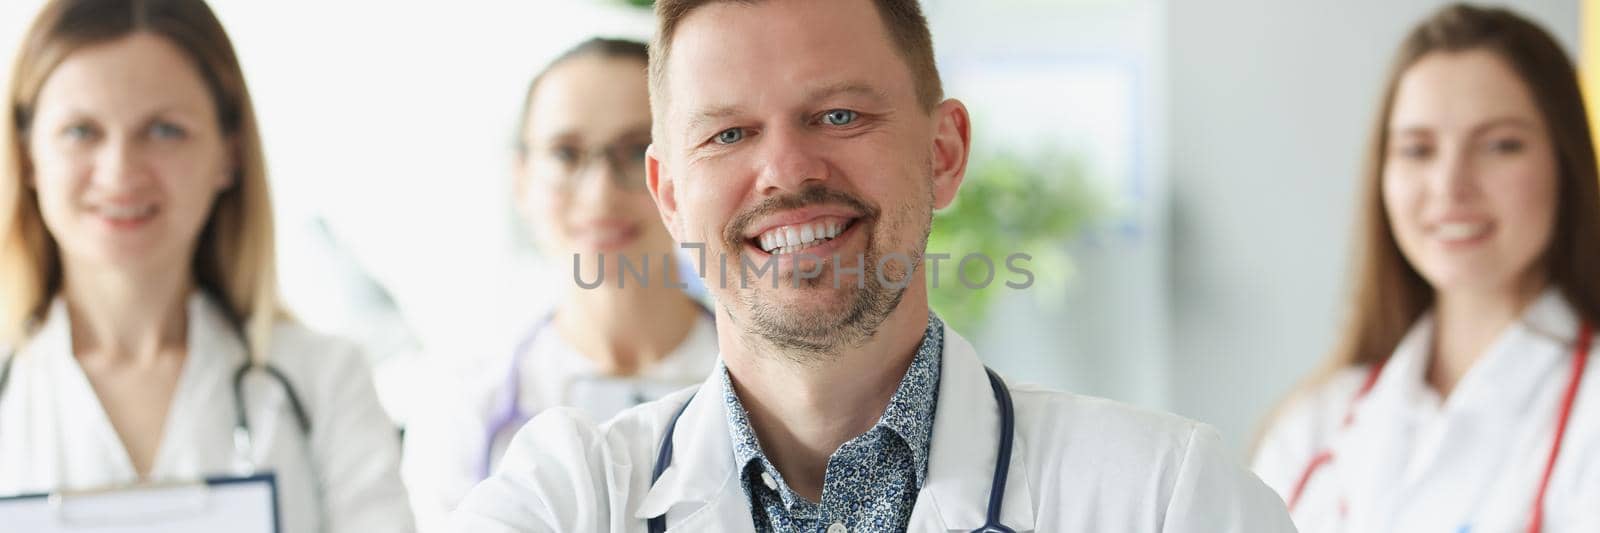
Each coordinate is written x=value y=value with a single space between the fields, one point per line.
x=1270 y=105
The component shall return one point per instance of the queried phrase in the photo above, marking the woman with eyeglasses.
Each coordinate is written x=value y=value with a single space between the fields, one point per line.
x=624 y=332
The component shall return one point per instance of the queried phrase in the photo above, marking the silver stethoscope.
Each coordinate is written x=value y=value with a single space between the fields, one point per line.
x=508 y=414
x=243 y=437
x=997 y=489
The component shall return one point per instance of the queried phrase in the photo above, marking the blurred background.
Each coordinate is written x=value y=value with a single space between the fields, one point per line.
x=1182 y=173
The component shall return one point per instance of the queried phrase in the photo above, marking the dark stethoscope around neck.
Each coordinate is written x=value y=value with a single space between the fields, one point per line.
x=243 y=436
x=997 y=489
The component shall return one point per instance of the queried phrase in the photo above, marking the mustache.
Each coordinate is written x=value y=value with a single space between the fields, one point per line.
x=814 y=195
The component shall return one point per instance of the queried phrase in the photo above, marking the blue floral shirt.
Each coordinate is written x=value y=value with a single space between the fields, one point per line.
x=872 y=480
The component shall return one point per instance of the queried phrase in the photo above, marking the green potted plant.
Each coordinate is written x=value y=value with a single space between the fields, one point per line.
x=1009 y=204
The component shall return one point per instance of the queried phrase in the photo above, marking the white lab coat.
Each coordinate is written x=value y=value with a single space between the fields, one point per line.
x=1410 y=463
x=1079 y=465
x=54 y=435
x=446 y=442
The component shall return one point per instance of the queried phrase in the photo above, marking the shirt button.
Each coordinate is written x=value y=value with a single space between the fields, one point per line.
x=766 y=479
x=837 y=527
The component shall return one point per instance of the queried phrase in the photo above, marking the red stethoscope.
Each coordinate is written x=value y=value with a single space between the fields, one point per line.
x=1580 y=358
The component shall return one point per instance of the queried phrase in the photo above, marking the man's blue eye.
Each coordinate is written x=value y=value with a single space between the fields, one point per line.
x=730 y=136
x=839 y=117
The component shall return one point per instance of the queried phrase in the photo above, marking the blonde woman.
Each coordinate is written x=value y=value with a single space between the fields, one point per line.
x=138 y=306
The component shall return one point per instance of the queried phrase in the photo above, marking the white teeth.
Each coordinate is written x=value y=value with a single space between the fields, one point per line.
x=790 y=239
x=1456 y=231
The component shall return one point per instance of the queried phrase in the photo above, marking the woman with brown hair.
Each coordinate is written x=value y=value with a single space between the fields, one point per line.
x=1462 y=397
x=140 y=330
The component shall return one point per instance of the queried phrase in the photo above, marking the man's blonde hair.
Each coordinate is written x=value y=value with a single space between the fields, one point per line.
x=906 y=25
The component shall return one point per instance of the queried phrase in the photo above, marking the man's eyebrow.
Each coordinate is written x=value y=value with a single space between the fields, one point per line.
x=847 y=88
x=700 y=118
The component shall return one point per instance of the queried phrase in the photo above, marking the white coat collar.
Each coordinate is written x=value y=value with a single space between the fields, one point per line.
x=960 y=468
x=966 y=438
x=702 y=472
x=1509 y=374
x=1502 y=386
x=209 y=329
x=211 y=344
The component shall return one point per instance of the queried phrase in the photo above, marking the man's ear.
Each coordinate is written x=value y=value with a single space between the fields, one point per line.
x=952 y=144
x=663 y=190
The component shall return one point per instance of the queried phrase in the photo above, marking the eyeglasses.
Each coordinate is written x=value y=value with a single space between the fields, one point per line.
x=564 y=165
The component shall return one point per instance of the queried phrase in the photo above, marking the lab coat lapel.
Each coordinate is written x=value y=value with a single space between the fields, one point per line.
x=1383 y=456
x=196 y=433
x=700 y=489
x=1512 y=387
x=106 y=458
x=1512 y=379
x=1369 y=455
x=965 y=444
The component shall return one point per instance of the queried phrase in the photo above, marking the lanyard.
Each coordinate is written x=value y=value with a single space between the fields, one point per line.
x=1580 y=358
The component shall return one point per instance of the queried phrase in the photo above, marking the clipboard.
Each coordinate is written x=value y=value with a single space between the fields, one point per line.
x=246 y=504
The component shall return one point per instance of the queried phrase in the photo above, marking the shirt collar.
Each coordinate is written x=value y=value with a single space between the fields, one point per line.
x=908 y=415
x=910 y=411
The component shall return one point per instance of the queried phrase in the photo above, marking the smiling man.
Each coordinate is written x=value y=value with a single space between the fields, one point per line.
x=813 y=136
